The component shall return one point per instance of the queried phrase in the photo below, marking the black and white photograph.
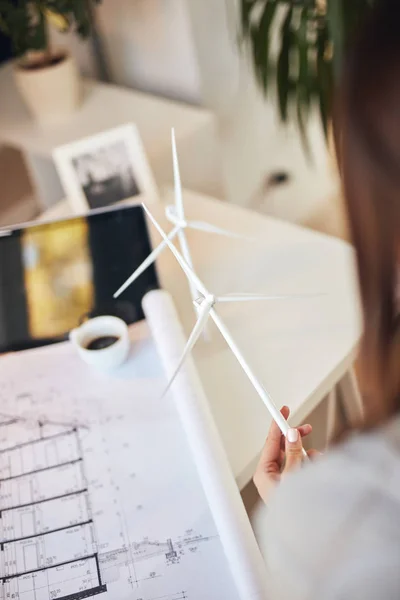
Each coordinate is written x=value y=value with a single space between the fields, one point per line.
x=105 y=169
x=106 y=175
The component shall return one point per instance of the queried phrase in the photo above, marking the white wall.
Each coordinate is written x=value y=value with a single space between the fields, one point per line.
x=149 y=47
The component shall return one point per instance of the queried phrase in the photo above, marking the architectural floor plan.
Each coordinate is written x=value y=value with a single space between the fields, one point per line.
x=98 y=494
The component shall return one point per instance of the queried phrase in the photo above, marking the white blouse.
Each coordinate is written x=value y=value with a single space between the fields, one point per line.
x=334 y=526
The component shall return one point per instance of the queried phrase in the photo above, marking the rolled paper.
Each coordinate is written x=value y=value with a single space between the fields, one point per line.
x=231 y=520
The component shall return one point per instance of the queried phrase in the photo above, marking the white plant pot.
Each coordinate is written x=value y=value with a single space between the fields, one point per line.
x=52 y=92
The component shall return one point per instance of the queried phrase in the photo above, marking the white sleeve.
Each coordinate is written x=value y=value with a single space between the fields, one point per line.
x=332 y=531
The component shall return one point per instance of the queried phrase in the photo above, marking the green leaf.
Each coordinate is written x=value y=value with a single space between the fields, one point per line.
x=283 y=71
x=245 y=13
x=302 y=42
x=38 y=34
x=260 y=37
x=324 y=79
x=335 y=23
x=302 y=120
x=266 y=23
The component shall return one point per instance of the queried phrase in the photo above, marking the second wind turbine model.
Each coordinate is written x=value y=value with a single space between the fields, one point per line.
x=175 y=214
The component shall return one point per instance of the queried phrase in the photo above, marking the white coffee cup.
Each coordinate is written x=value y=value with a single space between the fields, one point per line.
x=106 y=358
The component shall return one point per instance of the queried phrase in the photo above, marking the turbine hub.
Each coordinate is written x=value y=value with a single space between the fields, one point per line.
x=209 y=300
x=170 y=213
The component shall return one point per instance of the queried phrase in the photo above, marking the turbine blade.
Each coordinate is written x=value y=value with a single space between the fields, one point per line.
x=170 y=212
x=185 y=248
x=258 y=297
x=194 y=292
x=264 y=395
x=180 y=211
x=190 y=274
x=146 y=263
x=177 y=179
x=209 y=228
x=203 y=313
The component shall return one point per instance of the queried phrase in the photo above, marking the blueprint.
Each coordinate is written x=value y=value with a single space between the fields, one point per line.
x=98 y=492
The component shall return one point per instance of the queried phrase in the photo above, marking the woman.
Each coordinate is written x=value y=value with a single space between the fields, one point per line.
x=334 y=525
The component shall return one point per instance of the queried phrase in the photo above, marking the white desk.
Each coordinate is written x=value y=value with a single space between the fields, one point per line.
x=106 y=106
x=301 y=349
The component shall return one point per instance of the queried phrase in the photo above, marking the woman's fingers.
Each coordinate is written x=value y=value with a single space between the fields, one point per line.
x=268 y=471
x=277 y=448
x=272 y=448
x=304 y=431
x=294 y=450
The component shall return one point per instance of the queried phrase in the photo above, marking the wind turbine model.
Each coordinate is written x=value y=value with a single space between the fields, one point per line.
x=206 y=308
x=203 y=300
x=175 y=214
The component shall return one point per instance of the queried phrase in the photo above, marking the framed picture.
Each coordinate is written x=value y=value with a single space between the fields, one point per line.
x=105 y=169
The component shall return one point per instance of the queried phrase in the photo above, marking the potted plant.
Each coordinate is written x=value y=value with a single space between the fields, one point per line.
x=312 y=37
x=47 y=78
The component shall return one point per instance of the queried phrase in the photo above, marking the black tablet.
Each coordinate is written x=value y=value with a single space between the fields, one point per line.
x=55 y=275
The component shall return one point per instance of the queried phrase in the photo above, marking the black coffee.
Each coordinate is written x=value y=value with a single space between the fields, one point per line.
x=102 y=342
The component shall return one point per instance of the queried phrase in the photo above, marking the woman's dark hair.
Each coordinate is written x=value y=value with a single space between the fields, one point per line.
x=367 y=138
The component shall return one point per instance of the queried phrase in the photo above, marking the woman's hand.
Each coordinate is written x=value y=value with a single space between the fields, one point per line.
x=280 y=456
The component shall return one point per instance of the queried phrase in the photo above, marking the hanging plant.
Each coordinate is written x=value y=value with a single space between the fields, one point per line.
x=312 y=37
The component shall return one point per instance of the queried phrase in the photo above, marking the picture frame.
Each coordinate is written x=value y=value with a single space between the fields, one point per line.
x=107 y=168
